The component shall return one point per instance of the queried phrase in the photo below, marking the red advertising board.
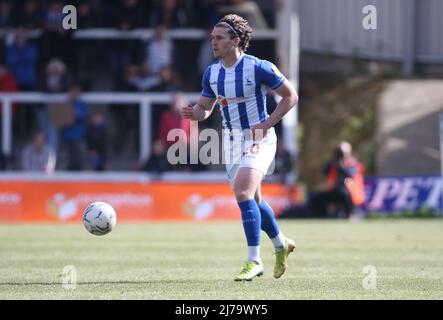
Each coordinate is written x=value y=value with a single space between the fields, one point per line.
x=65 y=201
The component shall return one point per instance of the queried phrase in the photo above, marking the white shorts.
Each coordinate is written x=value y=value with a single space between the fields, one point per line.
x=241 y=152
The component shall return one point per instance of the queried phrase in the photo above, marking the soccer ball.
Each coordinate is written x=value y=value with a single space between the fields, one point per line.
x=99 y=218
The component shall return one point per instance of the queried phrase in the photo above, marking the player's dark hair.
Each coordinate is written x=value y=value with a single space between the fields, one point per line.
x=237 y=27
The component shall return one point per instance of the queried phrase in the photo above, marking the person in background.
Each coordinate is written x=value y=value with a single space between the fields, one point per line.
x=21 y=59
x=73 y=133
x=170 y=14
x=38 y=155
x=166 y=80
x=249 y=10
x=159 y=50
x=30 y=16
x=128 y=16
x=96 y=141
x=157 y=162
x=344 y=185
x=52 y=115
x=7 y=81
x=143 y=79
x=7 y=84
x=6 y=14
x=56 y=41
x=172 y=119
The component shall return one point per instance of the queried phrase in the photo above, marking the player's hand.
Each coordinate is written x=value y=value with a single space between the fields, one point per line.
x=187 y=112
x=259 y=131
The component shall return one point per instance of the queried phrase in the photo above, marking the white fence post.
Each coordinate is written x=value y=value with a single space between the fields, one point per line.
x=7 y=127
x=145 y=129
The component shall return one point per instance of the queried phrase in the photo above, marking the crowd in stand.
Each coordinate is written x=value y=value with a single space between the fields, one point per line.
x=54 y=62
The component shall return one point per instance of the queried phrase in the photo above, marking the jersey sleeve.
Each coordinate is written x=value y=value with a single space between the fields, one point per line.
x=206 y=88
x=270 y=75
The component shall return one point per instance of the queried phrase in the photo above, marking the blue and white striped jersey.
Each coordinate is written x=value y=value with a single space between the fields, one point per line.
x=241 y=90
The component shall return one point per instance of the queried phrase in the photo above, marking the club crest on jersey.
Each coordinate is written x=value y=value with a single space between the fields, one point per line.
x=223 y=101
x=252 y=151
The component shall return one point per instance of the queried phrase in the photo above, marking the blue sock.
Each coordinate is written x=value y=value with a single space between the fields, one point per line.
x=268 y=221
x=251 y=219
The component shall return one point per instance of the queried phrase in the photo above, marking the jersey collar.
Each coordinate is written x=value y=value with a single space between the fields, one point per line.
x=235 y=64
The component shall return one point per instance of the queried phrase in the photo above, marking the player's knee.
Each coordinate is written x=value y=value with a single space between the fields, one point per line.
x=242 y=194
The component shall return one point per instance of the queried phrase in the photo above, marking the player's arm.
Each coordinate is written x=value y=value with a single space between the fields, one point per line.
x=289 y=100
x=268 y=74
x=200 y=111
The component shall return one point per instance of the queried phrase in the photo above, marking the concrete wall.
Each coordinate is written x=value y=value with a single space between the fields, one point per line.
x=408 y=127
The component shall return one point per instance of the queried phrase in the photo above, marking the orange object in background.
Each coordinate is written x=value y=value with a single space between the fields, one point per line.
x=31 y=201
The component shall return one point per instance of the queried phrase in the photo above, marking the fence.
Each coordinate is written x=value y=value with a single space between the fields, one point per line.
x=144 y=100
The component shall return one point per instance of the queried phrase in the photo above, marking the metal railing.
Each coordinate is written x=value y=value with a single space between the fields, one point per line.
x=144 y=34
x=145 y=101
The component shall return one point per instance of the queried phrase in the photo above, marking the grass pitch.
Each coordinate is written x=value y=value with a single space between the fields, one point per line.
x=199 y=260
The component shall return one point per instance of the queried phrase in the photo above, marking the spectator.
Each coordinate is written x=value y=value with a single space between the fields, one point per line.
x=344 y=185
x=6 y=17
x=124 y=52
x=166 y=80
x=206 y=13
x=38 y=156
x=55 y=40
x=355 y=184
x=21 y=58
x=158 y=161
x=143 y=80
x=172 y=119
x=125 y=116
x=131 y=74
x=159 y=50
x=96 y=140
x=249 y=10
x=130 y=15
x=55 y=80
x=73 y=133
x=86 y=16
x=169 y=14
x=7 y=84
x=85 y=50
x=30 y=16
x=7 y=80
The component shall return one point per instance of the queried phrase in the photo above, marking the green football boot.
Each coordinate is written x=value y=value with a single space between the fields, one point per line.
x=281 y=258
x=250 y=271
